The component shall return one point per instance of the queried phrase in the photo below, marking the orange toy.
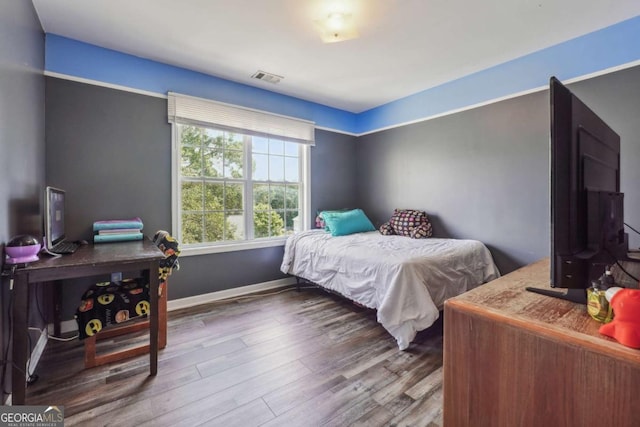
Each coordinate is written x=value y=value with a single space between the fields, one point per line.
x=625 y=326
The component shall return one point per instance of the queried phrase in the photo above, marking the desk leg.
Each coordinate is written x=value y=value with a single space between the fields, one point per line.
x=154 y=283
x=20 y=340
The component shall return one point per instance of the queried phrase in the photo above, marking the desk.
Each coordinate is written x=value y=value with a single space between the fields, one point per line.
x=89 y=260
x=516 y=358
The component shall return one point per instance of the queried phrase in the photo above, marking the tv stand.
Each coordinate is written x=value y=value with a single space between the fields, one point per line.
x=578 y=296
x=516 y=358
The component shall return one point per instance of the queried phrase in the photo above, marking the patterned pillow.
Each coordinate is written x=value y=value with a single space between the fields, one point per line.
x=386 y=229
x=405 y=221
x=422 y=231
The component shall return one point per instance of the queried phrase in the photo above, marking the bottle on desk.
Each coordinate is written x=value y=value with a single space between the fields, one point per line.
x=598 y=306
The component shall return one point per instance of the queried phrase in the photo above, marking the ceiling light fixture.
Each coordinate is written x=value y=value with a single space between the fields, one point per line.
x=337 y=27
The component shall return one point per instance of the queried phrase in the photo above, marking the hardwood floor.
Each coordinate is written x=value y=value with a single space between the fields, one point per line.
x=304 y=358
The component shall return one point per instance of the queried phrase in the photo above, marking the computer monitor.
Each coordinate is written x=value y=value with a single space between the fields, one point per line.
x=53 y=216
x=587 y=208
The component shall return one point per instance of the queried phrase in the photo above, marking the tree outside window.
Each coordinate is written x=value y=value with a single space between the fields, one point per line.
x=221 y=200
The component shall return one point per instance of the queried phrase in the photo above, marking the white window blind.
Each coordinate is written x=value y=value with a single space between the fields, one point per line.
x=189 y=109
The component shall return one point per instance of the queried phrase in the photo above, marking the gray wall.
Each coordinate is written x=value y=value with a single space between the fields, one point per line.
x=333 y=172
x=616 y=99
x=484 y=173
x=21 y=119
x=111 y=151
x=21 y=133
x=480 y=174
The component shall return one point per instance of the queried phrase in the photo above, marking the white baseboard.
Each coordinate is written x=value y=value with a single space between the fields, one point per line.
x=228 y=293
x=68 y=326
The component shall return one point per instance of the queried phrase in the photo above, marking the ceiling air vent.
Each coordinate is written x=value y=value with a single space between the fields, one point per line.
x=267 y=77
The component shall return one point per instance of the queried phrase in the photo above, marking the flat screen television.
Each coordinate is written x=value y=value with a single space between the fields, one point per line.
x=587 y=207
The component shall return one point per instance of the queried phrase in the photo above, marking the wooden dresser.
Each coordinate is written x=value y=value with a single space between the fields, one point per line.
x=516 y=358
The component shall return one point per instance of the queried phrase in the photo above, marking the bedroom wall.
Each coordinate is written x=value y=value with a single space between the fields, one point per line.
x=481 y=173
x=21 y=119
x=21 y=134
x=484 y=173
x=616 y=99
x=111 y=151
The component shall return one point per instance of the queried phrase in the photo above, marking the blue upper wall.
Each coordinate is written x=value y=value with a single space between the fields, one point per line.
x=601 y=50
x=82 y=60
x=610 y=47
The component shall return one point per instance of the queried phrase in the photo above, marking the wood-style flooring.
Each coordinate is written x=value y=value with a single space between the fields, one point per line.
x=293 y=358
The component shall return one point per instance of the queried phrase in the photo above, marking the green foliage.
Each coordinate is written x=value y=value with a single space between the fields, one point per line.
x=208 y=224
x=211 y=153
x=277 y=196
x=212 y=200
x=266 y=222
x=283 y=199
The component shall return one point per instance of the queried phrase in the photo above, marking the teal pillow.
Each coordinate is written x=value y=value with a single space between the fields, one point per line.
x=349 y=222
x=320 y=223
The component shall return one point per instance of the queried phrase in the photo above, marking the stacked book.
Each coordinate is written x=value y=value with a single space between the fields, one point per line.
x=117 y=230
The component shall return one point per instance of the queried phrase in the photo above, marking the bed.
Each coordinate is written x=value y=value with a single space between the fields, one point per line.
x=405 y=280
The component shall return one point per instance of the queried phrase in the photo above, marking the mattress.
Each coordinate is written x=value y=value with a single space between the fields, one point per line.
x=406 y=280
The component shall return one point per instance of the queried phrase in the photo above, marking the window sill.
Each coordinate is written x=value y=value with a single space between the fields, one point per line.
x=231 y=247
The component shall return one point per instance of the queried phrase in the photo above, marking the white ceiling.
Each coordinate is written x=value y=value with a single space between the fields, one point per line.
x=405 y=46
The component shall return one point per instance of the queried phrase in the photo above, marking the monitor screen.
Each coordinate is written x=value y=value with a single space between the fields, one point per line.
x=54 y=216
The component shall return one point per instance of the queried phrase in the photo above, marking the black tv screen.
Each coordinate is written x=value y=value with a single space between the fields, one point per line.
x=587 y=208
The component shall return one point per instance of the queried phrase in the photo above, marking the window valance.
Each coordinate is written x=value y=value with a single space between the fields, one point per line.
x=190 y=109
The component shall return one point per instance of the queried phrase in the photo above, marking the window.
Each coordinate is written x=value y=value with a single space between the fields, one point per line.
x=236 y=188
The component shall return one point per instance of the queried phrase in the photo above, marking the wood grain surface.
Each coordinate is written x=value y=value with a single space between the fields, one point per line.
x=516 y=358
x=305 y=358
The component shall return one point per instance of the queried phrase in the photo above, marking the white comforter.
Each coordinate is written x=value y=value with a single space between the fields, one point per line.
x=406 y=280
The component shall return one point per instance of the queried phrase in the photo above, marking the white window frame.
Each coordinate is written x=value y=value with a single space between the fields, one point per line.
x=229 y=246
